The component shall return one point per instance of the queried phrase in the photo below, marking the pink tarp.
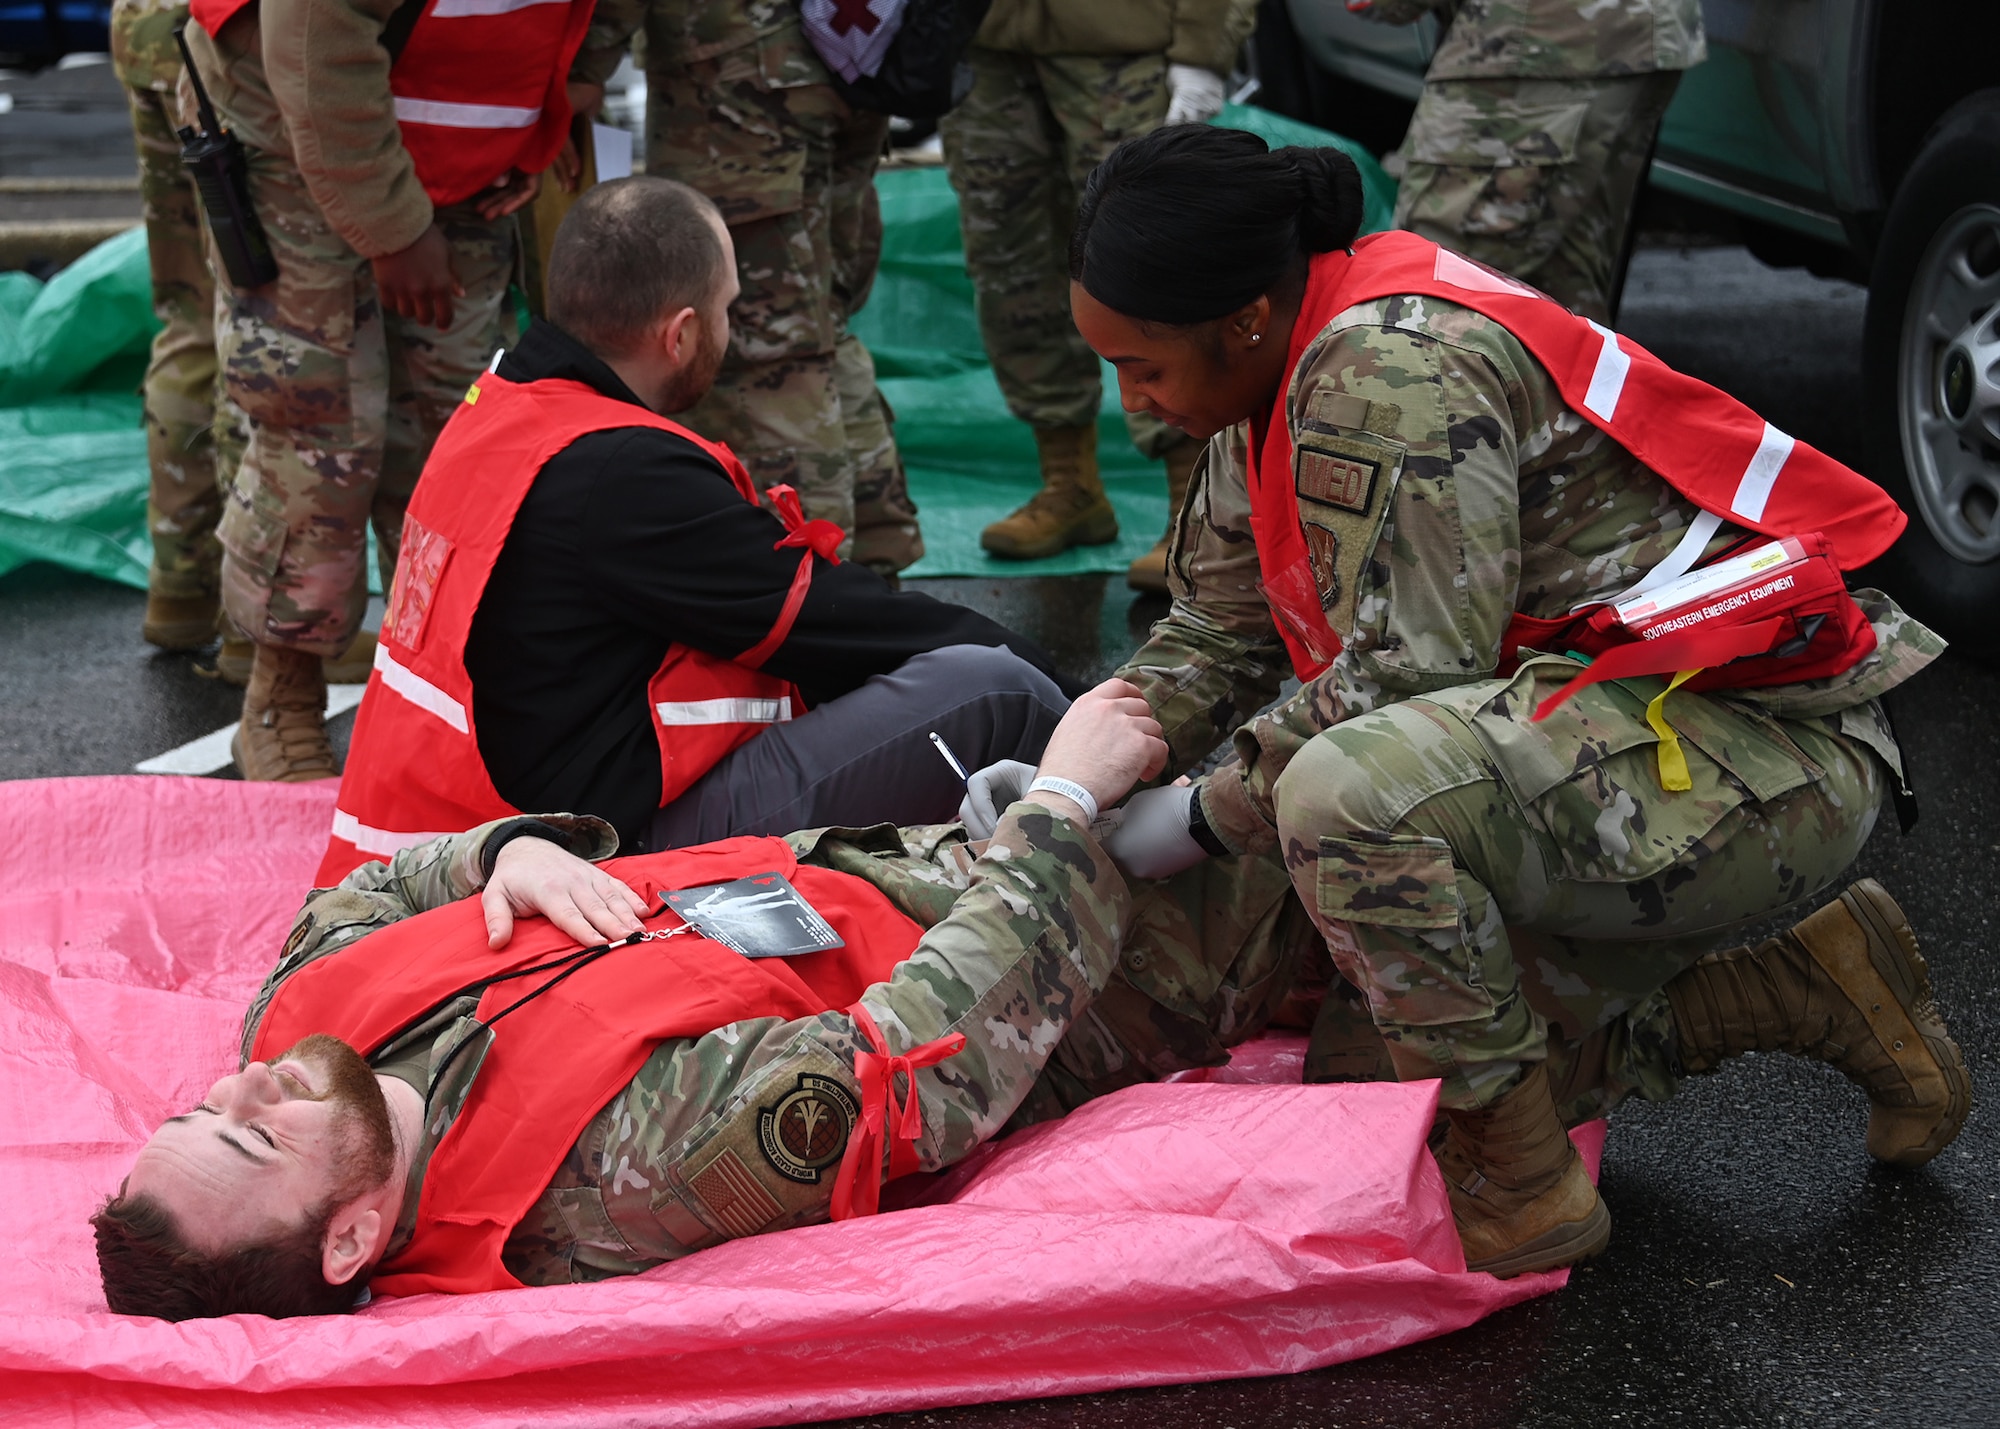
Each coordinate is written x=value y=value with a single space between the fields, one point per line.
x=1208 y=1229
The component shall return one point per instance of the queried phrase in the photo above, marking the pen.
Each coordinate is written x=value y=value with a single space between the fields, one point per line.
x=951 y=759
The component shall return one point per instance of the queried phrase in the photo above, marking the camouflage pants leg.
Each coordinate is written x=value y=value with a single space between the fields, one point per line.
x=183 y=498
x=1479 y=877
x=1018 y=150
x=791 y=166
x=1207 y=958
x=886 y=535
x=335 y=399
x=1537 y=178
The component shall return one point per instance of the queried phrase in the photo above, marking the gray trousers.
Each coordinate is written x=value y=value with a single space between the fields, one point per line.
x=867 y=758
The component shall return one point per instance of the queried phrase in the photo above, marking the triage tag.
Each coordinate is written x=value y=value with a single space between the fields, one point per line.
x=761 y=916
x=1751 y=586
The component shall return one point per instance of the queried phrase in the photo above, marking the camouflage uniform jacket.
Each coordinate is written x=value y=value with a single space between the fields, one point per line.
x=1556 y=39
x=776 y=53
x=691 y=1153
x=1492 y=498
x=1191 y=32
x=309 y=79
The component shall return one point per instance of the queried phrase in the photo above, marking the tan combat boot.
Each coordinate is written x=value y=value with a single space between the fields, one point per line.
x=1519 y=1192
x=1149 y=572
x=282 y=735
x=1847 y=986
x=1069 y=510
x=180 y=622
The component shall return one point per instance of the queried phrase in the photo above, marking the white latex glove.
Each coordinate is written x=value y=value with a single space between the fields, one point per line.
x=1152 y=840
x=1194 y=95
x=988 y=793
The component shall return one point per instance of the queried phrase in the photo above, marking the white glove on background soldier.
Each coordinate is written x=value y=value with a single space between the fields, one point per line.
x=1154 y=838
x=988 y=793
x=1194 y=95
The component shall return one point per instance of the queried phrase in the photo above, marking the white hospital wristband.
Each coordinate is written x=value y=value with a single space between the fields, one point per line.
x=1069 y=789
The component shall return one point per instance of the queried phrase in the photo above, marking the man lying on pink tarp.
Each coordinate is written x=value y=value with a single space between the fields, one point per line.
x=708 y=1044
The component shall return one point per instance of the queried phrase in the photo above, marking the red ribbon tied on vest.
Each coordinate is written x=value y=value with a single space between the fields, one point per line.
x=857 y=1189
x=822 y=538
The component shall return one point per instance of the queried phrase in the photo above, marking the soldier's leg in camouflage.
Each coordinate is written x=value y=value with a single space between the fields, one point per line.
x=886 y=535
x=304 y=359
x=183 y=500
x=1008 y=157
x=429 y=372
x=1421 y=862
x=765 y=155
x=1208 y=958
x=1534 y=177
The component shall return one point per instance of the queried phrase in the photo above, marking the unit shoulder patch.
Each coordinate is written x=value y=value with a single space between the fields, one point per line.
x=1343 y=480
x=805 y=1130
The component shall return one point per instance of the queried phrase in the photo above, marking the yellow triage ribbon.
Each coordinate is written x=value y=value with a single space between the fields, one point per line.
x=1673 y=761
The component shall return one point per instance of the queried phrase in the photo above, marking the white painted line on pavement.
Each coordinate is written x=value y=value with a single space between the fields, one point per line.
x=211 y=751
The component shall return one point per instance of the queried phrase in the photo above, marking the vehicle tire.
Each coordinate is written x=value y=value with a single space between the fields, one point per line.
x=1932 y=372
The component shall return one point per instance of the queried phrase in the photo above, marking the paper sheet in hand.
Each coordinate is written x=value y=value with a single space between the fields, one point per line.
x=761 y=916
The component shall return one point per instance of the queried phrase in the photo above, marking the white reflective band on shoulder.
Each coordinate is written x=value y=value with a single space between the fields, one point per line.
x=728 y=711
x=369 y=840
x=460 y=9
x=465 y=116
x=1607 y=379
x=419 y=691
x=1464 y=273
x=1754 y=490
x=1679 y=561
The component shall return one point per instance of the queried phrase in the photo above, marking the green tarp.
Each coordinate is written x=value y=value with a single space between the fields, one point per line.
x=73 y=457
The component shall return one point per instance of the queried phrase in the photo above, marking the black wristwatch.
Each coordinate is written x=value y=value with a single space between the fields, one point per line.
x=1200 y=832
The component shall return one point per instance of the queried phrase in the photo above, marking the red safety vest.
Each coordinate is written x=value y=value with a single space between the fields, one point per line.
x=558 y=1059
x=413 y=767
x=479 y=88
x=1704 y=443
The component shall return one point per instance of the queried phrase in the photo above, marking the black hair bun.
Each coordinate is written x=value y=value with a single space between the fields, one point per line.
x=1330 y=198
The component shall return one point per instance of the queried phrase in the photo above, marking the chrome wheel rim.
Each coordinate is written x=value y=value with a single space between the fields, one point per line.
x=1948 y=399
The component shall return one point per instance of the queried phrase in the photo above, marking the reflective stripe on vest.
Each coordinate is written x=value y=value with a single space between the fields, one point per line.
x=724 y=711
x=384 y=843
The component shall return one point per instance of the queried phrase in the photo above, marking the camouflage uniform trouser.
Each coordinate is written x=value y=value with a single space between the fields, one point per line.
x=193 y=435
x=1534 y=177
x=793 y=170
x=1019 y=149
x=1479 y=877
x=343 y=403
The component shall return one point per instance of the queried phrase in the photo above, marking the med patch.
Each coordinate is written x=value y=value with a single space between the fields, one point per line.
x=805 y=1131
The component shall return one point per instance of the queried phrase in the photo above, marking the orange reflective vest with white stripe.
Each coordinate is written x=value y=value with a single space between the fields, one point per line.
x=413 y=768
x=1711 y=448
x=479 y=87
x=586 y=1021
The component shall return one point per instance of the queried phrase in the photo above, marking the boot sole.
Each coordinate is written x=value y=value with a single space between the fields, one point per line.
x=1892 y=952
x=1568 y=1244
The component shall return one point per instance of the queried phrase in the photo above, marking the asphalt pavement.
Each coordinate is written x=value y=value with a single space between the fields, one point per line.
x=1761 y=1271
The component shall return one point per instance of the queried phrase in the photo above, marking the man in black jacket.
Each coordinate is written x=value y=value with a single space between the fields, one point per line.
x=633 y=539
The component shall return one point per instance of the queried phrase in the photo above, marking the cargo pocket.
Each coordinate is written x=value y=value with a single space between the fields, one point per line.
x=1589 y=775
x=1490 y=175
x=254 y=539
x=1407 y=884
x=588 y=1223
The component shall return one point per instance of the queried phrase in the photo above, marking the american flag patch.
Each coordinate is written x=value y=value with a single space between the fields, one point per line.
x=733 y=1196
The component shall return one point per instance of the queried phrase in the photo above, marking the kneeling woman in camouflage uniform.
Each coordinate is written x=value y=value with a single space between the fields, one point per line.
x=1422 y=502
